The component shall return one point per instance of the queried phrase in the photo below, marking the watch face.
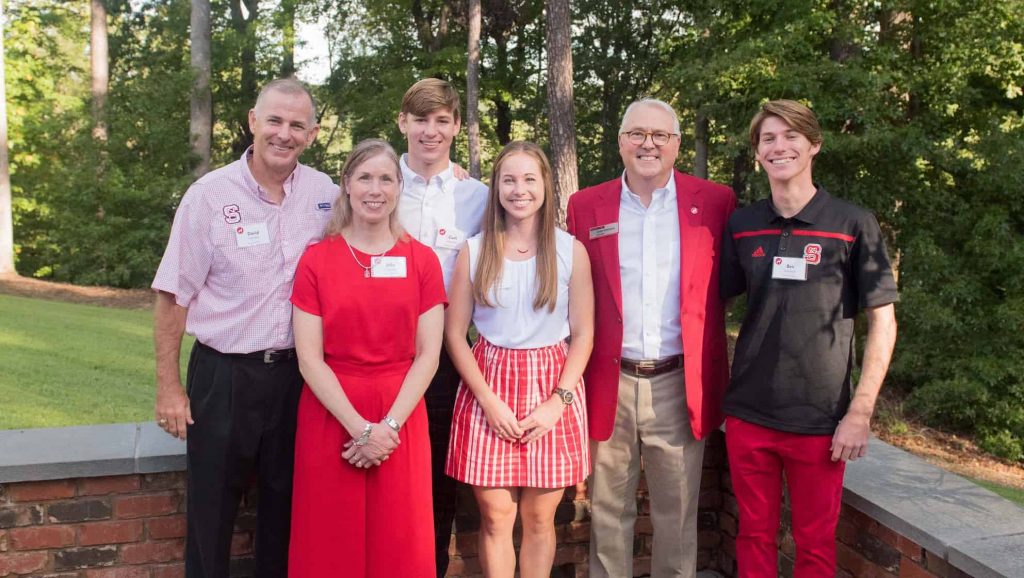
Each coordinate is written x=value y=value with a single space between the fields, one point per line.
x=567 y=396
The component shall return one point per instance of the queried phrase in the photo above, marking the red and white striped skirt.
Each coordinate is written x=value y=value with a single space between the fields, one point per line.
x=523 y=379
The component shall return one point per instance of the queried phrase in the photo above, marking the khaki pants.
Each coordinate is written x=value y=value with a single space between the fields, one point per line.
x=652 y=432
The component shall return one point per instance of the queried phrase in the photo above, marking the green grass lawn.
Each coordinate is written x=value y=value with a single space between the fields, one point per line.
x=66 y=364
x=1013 y=494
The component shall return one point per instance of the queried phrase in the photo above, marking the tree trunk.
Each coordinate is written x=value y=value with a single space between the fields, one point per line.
x=741 y=164
x=473 y=88
x=561 y=116
x=6 y=216
x=100 y=68
x=700 y=148
x=502 y=99
x=201 y=117
x=246 y=29
x=288 y=37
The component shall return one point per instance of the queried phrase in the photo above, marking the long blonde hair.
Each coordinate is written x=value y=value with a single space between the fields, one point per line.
x=492 y=248
x=362 y=152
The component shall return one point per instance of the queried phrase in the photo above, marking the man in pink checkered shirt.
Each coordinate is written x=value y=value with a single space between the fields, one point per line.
x=226 y=278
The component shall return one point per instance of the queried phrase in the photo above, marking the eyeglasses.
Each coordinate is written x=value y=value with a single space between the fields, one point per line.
x=658 y=137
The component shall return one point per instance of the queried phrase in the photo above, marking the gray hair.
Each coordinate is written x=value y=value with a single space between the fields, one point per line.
x=648 y=101
x=288 y=86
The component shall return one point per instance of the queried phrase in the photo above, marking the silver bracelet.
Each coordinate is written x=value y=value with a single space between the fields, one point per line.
x=365 y=436
x=391 y=423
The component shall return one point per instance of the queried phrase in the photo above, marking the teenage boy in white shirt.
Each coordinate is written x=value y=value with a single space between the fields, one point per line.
x=440 y=208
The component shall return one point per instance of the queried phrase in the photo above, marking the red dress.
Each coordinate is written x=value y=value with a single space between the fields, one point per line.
x=349 y=521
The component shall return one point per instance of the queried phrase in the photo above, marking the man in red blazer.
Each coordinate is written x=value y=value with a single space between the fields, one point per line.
x=658 y=371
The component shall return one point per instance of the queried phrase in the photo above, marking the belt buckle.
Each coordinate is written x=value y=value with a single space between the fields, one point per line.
x=645 y=365
x=268 y=356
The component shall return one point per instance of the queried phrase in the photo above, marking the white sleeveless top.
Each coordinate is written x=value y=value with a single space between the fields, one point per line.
x=512 y=322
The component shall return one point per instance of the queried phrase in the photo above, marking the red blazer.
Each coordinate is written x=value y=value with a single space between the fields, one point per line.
x=704 y=208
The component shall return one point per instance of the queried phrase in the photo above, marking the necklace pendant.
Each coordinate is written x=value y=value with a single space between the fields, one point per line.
x=366 y=273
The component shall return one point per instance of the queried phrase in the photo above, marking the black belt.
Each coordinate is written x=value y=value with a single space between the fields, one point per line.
x=267 y=356
x=651 y=367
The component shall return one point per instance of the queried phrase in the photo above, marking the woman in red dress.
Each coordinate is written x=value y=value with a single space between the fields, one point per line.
x=519 y=431
x=368 y=317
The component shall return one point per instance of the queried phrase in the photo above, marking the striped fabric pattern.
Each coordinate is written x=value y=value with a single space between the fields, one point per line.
x=522 y=378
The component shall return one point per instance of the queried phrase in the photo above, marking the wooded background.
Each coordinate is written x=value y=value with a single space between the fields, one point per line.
x=921 y=102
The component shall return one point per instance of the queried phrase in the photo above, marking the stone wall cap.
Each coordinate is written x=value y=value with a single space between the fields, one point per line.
x=943 y=512
x=87 y=451
x=990 y=557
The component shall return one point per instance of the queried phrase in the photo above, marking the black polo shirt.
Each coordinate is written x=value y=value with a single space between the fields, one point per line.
x=791 y=370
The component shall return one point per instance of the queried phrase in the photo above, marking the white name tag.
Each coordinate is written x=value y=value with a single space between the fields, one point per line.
x=792 y=268
x=388 y=267
x=249 y=235
x=449 y=238
x=604 y=230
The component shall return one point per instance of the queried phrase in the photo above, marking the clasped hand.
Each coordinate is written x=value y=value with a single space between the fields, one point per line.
x=503 y=421
x=379 y=445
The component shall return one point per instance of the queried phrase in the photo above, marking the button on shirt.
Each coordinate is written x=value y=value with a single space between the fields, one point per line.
x=649 y=268
x=232 y=255
x=441 y=212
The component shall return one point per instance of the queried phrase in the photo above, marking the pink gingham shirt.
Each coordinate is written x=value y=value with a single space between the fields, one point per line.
x=238 y=296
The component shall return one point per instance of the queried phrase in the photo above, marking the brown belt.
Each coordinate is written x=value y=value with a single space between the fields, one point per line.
x=651 y=367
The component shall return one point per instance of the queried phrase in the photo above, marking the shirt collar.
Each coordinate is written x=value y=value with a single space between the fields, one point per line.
x=250 y=180
x=412 y=176
x=659 y=197
x=811 y=211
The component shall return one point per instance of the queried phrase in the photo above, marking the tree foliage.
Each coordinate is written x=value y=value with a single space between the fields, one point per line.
x=921 y=102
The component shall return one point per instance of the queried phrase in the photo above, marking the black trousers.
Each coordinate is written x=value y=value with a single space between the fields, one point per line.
x=244 y=412
x=440 y=401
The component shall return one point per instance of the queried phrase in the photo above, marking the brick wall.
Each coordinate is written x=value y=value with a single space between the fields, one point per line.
x=133 y=526
x=130 y=526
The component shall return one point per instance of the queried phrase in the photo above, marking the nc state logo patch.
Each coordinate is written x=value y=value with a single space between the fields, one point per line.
x=812 y=253
x=232 y=214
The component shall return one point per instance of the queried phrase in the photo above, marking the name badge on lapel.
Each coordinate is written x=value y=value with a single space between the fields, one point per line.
x=603 y=230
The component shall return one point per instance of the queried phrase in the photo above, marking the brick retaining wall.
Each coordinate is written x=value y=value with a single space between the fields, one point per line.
x=901 y=518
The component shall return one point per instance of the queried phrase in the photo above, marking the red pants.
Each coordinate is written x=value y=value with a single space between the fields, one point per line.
x=758 y=457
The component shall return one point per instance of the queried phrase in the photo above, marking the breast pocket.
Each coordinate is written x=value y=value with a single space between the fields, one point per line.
x=242 y=263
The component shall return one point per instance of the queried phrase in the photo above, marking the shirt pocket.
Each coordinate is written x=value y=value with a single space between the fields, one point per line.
x=245 y=266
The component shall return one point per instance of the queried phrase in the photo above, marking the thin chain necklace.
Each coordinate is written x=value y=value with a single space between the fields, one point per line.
x=365 y=268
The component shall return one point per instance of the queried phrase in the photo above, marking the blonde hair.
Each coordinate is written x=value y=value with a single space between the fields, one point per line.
x=431 y=94
x=492 y=248
x=797 y=116
x=362 y=152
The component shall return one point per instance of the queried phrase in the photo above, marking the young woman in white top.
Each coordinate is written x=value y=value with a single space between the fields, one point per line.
x=519 y=433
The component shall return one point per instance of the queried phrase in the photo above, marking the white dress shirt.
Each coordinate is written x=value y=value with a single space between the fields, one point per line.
x=649 y=268
x=441 y=212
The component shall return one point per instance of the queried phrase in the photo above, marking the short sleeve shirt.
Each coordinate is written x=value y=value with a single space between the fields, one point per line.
x=795 y=352
x=367 y=321
x=232 y=254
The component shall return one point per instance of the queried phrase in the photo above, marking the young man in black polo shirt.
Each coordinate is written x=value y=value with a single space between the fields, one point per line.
x=808 y=263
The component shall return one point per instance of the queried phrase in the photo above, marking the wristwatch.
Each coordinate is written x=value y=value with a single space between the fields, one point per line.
x=391 y=423
x=566 y=395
